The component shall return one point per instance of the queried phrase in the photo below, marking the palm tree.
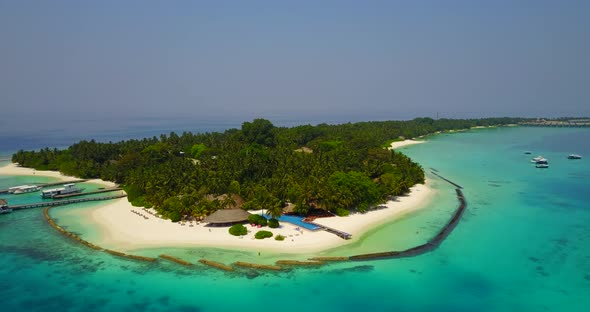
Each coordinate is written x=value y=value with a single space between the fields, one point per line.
x=274 y=209
x=228 y=201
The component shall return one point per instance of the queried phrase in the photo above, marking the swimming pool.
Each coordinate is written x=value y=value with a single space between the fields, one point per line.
x=296 y=221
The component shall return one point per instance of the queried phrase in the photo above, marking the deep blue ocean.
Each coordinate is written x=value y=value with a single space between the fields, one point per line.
x=522 y=245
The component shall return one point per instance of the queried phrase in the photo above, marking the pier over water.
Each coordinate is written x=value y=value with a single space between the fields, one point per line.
x=64 y=202
x=52 y=184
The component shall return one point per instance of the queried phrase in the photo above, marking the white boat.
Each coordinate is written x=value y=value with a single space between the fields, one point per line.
x=574 y=156
x=542 y=166
x=542 y=161
x=4 y=206
x=67 y=189
x=13 y=189
x=24 y=189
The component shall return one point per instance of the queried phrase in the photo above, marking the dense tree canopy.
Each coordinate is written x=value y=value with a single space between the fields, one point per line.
x=332 y=167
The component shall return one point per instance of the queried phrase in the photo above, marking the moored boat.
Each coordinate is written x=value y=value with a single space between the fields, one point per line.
x=67 y=189
x=4 y=206
x=574 y=156
x=24 y=189
x=541 y=161
x=542 y=166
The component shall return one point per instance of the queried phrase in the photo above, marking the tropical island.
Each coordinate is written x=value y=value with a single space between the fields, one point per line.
x=308 y=171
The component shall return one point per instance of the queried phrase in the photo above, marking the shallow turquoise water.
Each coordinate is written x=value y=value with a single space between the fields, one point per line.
x=522 y=245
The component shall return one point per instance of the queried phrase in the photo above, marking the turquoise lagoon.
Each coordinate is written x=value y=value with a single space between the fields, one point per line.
x=522 y=245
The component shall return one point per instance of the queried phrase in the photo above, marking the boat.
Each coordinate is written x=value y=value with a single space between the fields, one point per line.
x=66 y=189
x=22 y=189
x=542 y=166
x=574 y=156
x=4 y=206
x=528 y=152
x=542 y=161
x=535 y=159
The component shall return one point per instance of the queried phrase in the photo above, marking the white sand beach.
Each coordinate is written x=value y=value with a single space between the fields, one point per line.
x=15 y=170
x=125 y=228
x=400 y=144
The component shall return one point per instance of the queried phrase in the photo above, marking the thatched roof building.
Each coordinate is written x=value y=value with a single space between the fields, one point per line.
x=227 y=217
x=289 y=208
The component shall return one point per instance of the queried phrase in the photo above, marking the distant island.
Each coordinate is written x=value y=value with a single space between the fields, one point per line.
x=334 y=168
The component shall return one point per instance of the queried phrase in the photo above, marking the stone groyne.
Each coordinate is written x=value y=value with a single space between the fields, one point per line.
x=424 y=248
x=329 y=259
x=298 y=263
x=314 y=261
x=258 y=266
x=174 y=259
x=216 y=265
x=65 y=232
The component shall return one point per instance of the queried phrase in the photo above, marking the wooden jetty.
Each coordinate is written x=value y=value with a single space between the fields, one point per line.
x=44 y=185
x=64 y=202
x=332 y=230
x=335 y=231
x=113 y=189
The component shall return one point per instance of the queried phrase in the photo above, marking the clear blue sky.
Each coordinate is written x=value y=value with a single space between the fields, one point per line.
x=245 y=59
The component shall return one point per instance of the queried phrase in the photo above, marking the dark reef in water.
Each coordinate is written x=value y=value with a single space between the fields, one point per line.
x=358 y=269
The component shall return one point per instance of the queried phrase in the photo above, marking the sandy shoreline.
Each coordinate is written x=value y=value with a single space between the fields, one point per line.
x=14 y=170
x=126 y=230
x=124 y=227
x=400 y=144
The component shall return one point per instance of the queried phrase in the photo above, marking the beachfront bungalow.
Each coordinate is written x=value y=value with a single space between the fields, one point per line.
x=225 y=217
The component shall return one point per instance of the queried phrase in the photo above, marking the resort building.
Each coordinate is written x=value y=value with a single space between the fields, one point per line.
x=223 y=217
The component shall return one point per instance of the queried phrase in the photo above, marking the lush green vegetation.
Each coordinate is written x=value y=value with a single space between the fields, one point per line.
x=331 y=167
x=280 y=237
x=273 y=223
x=263 y=234
x=257 y=219
x=238 y=230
